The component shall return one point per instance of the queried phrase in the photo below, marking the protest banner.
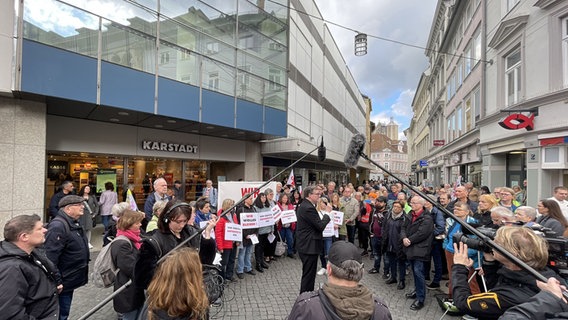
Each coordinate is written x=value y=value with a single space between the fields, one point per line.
x=249 y=220
x=265 y=219
x=237 y=189
x=337 y=217
x=288 y=216
x=233 y=232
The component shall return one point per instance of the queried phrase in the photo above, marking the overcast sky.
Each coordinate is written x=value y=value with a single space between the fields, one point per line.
x=390 y=72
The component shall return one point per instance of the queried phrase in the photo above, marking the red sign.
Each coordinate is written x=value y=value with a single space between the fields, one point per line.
x=438 y=143
x=518 y=121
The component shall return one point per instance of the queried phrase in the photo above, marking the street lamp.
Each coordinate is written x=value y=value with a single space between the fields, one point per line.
x=360 y=44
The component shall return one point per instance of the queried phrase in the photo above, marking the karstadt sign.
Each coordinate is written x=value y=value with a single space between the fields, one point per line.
x=168 y=147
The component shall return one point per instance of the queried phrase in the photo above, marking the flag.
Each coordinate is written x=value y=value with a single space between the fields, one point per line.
x=291 y=181
x=130 y=199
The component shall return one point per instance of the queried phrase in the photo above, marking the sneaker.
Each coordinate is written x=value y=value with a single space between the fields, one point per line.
x=449 y=305
x=321 y=272
x=386 y=276
x=240 y=276
x=433 y=285
x=373 y=271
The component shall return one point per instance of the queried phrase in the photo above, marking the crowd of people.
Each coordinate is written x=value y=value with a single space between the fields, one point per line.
x=401 y=231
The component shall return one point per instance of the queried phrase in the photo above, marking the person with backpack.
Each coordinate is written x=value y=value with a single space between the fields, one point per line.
x=174 y=226
x=342 y=297
x=124 y=252
x=67 y=247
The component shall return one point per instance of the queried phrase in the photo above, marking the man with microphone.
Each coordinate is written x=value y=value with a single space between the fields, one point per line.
x=309 y=238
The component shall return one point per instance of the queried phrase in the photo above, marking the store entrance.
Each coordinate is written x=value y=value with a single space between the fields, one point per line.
x=137 y=172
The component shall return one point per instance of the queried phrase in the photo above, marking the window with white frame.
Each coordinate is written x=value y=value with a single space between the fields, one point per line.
x=565 y=50
x=476 y=47
x=459 y=121
x=476 y=104
x=468 y=112
x=467 y=60
x=513 y=76
x=449 y=128
x=213 y=80
x=459 y=77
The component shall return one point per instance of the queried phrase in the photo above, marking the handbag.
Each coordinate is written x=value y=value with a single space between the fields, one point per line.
x=280 y=246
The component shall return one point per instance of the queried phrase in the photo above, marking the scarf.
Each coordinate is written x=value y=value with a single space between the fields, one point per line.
x=132 y=235
x=350 y=303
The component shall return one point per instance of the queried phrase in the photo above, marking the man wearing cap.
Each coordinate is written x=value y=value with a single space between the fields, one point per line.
x=342 y=297
x=67 y=247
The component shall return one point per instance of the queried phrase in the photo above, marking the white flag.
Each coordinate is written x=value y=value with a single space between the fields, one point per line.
x=291 y=181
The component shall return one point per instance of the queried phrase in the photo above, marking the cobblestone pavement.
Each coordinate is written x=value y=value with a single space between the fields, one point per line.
x=269 y=295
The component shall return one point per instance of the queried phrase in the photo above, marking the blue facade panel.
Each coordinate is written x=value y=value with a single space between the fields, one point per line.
x=178 y=100
x=275 y=121
x=218 y=109
x=249 y=116
x=127 y=88
x=54 y=72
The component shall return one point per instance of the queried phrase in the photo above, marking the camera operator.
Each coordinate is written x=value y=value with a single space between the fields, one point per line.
x=548 y=304
x=510 y=285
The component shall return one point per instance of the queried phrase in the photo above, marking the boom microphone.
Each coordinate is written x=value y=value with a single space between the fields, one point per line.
x=321 y=151
x=354 y=151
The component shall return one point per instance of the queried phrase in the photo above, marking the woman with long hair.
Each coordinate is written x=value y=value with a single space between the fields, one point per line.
x=227 y=248
x=552 y=217
x=124 y=255
x=486 y=203
x=173 y=228
x=89 y=213
x=176 y=291
x=287 y=230
x=261 y=204
x=295 y=197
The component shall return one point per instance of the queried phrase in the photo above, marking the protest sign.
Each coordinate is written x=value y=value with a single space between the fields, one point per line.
x=233 y=232
x=337 y=217
x=288 y=216
x=249 y=220
x=265 y=219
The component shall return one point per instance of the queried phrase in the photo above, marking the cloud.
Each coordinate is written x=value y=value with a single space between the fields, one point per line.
x=403 y=105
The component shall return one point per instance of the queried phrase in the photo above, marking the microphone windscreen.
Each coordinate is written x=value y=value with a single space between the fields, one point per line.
x=354 y=150
x=321 y=152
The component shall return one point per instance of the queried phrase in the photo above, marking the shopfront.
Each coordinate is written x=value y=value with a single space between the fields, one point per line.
x=90 y=152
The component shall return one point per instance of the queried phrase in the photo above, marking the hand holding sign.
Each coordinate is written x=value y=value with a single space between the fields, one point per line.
x=288 y=216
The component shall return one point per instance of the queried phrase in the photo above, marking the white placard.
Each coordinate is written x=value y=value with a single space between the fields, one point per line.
x=233 y=232
x=271 y=237
x=328 y=231
x=288 y=216
x=337 y=217
x=265 y=219
x=253 y=238
x=249 y=220
x=203 y=224
x=276 y=213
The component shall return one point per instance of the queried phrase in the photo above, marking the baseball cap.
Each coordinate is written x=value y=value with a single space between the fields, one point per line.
x=341 y=251
x=70 y=199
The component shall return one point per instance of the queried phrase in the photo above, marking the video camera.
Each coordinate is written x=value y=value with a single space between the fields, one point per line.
x=557 y=246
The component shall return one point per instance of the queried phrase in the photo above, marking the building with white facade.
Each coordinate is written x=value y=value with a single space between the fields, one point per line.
x=187 y=90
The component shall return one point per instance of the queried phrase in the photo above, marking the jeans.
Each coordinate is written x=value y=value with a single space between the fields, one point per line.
x=131 y=315
x=106 y=220
x=419 y=282
x=327 y=242
x=351 y=233
x=228 y=262
x=437 y=252
x=244 y=258
x=288 y=235
x=394 y=264
x=377 y=253
x=65 y=299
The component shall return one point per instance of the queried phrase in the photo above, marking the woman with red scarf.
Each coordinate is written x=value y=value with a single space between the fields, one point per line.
x=124 y=253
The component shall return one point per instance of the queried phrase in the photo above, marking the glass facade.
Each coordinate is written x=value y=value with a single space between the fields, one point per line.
x=233 y=47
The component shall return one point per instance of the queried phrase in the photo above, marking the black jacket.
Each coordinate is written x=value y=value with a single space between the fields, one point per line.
x=309 y=228
x=54 y=203
x=158 y=244
x=124 y=255
x=28 y=283
x=544 y=305
x=66 y=246
x=392 y=242
x=420 y=233
x=511 y=288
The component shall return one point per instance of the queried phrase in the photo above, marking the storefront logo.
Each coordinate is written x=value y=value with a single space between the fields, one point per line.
x=518 y=121
x=168 y=147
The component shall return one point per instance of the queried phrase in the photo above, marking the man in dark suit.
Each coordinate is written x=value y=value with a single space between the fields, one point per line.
x=309 y=239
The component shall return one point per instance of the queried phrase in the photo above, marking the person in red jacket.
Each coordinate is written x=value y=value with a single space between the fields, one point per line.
x=227 y=248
